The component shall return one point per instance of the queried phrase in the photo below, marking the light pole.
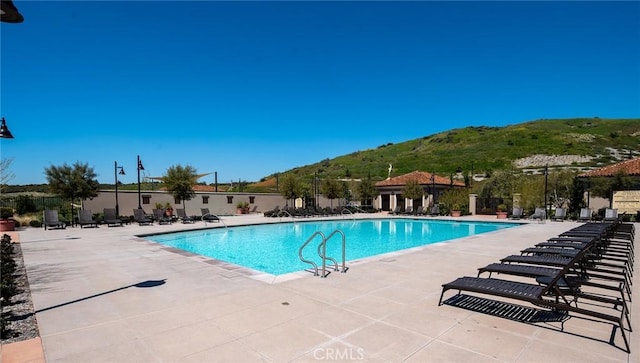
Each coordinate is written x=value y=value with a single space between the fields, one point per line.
x=140 y=167
x=546 y=174
x=115 y=173
x=4 y=131
x=433 y=188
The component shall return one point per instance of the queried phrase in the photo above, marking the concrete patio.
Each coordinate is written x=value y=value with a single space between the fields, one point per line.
x=105 y=295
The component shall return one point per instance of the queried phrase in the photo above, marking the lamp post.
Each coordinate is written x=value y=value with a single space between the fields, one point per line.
x=140 y=167
x=546 y=174
x=4 y=131
x=115 y=173
x=433 y=188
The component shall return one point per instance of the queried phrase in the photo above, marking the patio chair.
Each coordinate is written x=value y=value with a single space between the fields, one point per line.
x=585 y=215
x=435 y=210
x=560 y=215
x=182 y=215
x=208 y=216
x=396 y=210
x=111 y=217
x=85 y=218
x=539 y=214
x=611 y=215
x=50 y=219
x=141 y=218
x=550 y=291
x=516 y=213
x=419 y=211
x=160 y=216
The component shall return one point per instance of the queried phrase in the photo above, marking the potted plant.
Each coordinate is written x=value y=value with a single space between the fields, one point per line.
x=242 y=207
x=6 y=224
x=455 y=210
x=501 y=211
x=168 y=210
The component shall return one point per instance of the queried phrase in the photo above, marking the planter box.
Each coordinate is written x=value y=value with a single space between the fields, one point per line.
x=502 y=215
x=7 y=225
x=455 y=213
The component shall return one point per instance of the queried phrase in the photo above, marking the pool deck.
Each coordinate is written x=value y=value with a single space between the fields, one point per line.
x=105 y=295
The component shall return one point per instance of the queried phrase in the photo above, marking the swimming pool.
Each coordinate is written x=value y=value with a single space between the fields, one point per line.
x=273 y=248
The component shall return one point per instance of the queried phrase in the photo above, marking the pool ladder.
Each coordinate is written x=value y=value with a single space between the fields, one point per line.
x=322 y=253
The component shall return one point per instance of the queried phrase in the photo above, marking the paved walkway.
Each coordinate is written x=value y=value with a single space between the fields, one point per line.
x=104 y=295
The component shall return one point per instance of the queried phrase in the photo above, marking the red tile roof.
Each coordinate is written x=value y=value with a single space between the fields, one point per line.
x=422 y=177
x=630 y=167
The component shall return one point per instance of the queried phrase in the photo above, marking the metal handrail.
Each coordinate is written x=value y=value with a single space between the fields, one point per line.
x=344 y=247
x=285 y=212
x=211 y=214
x=350 y=212
x=315 y=266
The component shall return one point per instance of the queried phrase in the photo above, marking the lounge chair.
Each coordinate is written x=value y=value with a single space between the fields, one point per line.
x=396 y=210
x=419 y=211
x=182 y=215
x=516 y=213
x=560 y=215
x=407 y=210
x=585 y=215
x=611 y=215
x=435 y=210
x=50 y=219
x=539 y=214
x=85 y=218
x=160 y=216
x=111 y=217
x=550 y=291
x=141 y=218
x=208 y=216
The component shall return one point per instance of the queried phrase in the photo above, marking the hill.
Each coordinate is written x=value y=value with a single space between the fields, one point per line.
x=581 y=143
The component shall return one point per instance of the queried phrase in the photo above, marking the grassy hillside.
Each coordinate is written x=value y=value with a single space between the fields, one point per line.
x=490 y=148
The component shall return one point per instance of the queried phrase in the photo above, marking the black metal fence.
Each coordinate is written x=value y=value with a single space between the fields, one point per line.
x=41 y=202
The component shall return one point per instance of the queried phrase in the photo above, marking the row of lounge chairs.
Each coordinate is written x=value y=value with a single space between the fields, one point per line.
x=591 y=264
x=560 y=215
x=312 y=212
x=51 y=220
x=419 y=211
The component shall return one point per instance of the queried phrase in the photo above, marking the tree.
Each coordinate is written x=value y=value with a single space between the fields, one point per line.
x=412 y=190
x=72 y=182
x=604 y=187
x=5 y=174
x=576 y=201
x=367 y=191
x=290 y=187
x=180 y=180
x=560 y=186
x=331 y=189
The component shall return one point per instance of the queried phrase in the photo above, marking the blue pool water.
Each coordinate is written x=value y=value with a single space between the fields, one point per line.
x=273 y=248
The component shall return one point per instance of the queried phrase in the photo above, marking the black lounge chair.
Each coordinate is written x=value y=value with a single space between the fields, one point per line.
x=557 y=279
x=539 y=214
x=516 y=213
x=435 y=210
x=140 y=217
x=419 y=211
x=159 y=215
x=85 y=218
x=208 y=216
x=182 y=215
x=50 y=219
x=611 y=215
x=560 y=215
x=585 y=215
x=111 y=217
x=397 y=210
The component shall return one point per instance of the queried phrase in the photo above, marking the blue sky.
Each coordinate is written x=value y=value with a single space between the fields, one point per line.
x=248 y=89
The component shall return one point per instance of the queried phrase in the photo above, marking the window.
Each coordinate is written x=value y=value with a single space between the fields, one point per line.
x=229 y=199
x=146 y=199
x=252 y=199
x=205 y=199
x=176 y=201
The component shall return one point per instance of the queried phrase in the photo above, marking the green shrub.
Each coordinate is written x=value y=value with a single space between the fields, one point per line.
x=35 y=223
x=25 y=204
x=6 y=213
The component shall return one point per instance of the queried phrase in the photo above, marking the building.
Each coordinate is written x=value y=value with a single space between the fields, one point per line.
x=391 y=190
